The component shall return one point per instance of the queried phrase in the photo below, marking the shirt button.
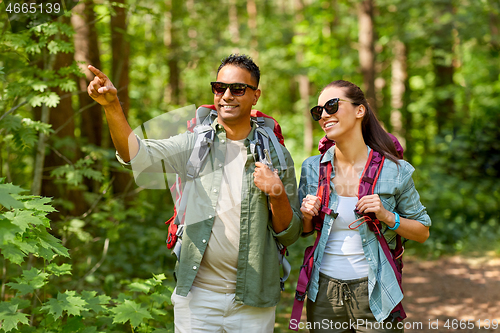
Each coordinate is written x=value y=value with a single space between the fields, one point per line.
x=369 y=259
x=209 y=216
x=194 y=267
x=364 y=239
x=220 y=165
x=223 y=141
x=215 y=190
x=204 y=241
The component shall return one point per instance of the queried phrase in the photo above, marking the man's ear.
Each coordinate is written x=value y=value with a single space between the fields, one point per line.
x=256 y=96
x=360 y=112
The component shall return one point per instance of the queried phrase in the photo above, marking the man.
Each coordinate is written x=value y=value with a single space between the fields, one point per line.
x=228 y=271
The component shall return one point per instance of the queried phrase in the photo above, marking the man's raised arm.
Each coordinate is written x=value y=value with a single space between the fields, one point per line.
x=102 y=90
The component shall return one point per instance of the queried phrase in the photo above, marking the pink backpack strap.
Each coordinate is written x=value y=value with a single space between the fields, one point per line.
x=367 y=183
x=325 y=174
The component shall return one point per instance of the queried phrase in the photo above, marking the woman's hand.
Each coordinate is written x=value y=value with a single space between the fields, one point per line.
x=310 y=206
x=373 y=204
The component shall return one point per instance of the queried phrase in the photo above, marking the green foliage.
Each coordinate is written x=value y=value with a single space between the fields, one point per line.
x=11 y=317
x=23 y=228
x=130 y=311
x=75 y=173
x=22 y=133
x=143 y=306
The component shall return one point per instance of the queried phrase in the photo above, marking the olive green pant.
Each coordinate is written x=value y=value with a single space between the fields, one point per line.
x=343 y=307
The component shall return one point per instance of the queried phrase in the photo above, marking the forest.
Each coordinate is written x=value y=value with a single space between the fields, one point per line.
x=83 y=247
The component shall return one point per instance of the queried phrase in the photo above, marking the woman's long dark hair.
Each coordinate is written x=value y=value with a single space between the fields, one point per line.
x=373 y=133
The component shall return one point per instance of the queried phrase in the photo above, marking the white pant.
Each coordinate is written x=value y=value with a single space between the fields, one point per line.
x=207 y=311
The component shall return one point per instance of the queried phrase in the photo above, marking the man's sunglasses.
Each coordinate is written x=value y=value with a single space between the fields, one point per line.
x=330 y=107
x=237 y=89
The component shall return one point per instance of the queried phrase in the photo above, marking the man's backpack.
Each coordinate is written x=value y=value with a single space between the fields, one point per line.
x=267 y=132
x=367 y=183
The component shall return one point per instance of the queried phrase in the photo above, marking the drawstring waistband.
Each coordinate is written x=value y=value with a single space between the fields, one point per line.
x=344 y=292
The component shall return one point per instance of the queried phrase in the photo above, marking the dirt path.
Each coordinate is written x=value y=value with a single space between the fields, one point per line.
x=452 y=289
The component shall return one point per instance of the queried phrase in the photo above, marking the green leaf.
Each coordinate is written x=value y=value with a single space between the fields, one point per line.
x=132 y=311
x=96 y=304
x=67 y=302
x=8 y=231
x=39 y=86
x=53 y=47
x=27 y=245
x=52 y=100
x=40 y=204
x=140 y=287
x=7 y=200
x=51 y=243
x=68 y=85
x=30 y=280
x=36 y=101
x=10 y=317
x=160 y=298
x=12 y=253
x=23 y=219
x=64 y=269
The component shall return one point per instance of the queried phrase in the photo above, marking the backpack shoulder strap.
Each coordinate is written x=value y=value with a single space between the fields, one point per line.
x=263 y=134
x=323 y=192
x=366 y=187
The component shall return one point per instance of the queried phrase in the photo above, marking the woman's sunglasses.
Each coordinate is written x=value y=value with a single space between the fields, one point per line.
x=330 y=107
x=237 y=89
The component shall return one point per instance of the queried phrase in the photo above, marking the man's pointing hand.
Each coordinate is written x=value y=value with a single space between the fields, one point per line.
x=101 y=89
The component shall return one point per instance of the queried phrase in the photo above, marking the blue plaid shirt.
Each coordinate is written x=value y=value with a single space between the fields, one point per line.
x=397 y=192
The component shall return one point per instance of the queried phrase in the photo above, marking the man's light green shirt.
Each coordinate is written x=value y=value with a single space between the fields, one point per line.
x=258 y=271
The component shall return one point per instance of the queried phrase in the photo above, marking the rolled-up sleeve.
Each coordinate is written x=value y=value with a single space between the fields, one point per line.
x=408 y=203
x=294 y=229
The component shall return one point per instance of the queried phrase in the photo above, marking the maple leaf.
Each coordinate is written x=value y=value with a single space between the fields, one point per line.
x=10 y=317
x=59 y=270
x=68 y=302
x=23 y=219
x=95 y=303
x=130 y=310
x=40 y=204
x=30 y=280
x=6 y=199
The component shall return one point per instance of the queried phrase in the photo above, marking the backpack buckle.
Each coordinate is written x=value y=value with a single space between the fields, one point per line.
x=300 y=297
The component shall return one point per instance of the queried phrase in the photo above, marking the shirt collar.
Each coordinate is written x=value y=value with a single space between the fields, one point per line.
x=218 y=128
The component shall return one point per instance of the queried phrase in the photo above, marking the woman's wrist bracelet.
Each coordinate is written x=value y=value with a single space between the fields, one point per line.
x=396 y=225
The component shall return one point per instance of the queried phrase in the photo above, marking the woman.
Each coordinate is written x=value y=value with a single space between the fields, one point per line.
x=352 y=286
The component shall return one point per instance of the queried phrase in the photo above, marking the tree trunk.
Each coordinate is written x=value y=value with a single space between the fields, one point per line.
x=62 y=121
x=308 y=126
x=120 y=77
x=303 y=82
x=367 y=50
x=443 y=69
x=234 y=30
x=495 y=25
x=252 y=26
x=192 y=32
x=171 y=40
x=87 y=50
x=398 y=85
